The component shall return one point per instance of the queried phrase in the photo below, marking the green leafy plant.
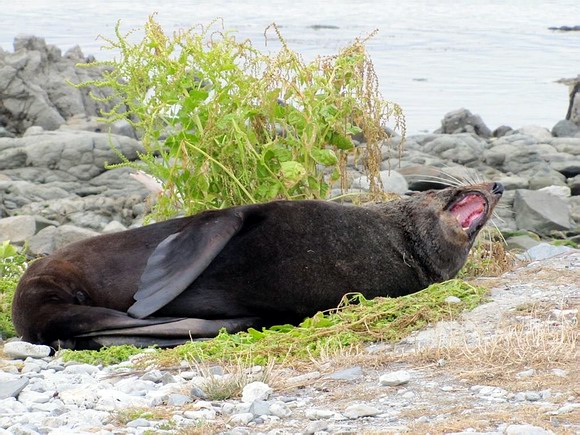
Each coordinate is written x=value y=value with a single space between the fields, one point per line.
x=12 y=266
x=224 y=124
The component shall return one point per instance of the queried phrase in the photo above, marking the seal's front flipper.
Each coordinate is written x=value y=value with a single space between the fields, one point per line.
x=165 y=334
x=180 y=259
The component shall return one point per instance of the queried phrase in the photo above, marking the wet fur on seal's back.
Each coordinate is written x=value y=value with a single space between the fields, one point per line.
x=280 y=261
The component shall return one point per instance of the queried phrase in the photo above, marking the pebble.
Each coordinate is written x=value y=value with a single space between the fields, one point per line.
x=360 y=410
x=452 y=300
x=23 y=350
x=243 y=418
x=395 y=378
x=256 y=391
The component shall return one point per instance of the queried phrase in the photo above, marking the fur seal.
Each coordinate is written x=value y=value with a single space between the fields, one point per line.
x=247 y=266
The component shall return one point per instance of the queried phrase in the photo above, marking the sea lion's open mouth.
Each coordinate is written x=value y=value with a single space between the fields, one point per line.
x=470 y=211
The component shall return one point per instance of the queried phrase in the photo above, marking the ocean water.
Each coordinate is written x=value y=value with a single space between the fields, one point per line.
x=496 y=58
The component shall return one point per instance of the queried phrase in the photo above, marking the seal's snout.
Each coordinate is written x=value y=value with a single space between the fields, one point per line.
x=497 y=189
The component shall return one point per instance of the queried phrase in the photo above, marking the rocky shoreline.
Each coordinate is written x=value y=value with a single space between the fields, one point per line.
x=54 y=189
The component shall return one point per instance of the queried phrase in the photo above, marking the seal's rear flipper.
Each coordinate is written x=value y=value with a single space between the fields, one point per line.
x=179 y=259
x=74 y=326
x=168 y=334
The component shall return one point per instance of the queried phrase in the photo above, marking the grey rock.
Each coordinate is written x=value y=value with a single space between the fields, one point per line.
x=543 y=251
x=349 y=374
x=392 y=379
x=12 y=388
x=359 y=410
x=22 y=350
x=317 y=414
x=79 y=369
x=178 y=400
x=535 y=131
x=35 y=89
x=462 y=148
x=563 y=192
x=318 y=426
x=260 y=407
x=502 y=130
x=452 y=300
x=256 y=391
x=201 y=414
x=526 y=429
x=566 y=128
x=50 y=239
x=574 y=185
x=139 y=422
x=569 y=166
x=280 y=409
x=463 y=120
x=17 y=229
x=241 y=419
x=541 y=212
x=521 y=242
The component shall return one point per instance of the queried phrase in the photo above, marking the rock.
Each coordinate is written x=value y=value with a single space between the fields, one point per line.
x=260 y=407
x=50 y=239
x=349 y=374
x=280 y=410
x=463 y=149
x=502 y=131
x=241 y=419
x=139 y=422
x=12 y=388
x=256 y=391
x=202 y=414
x=569 y=166
x=35 y=91
x=543 y=251
x=22 y=350
x=81 y=154
x=318 y=426
x=566 y=128
x=462 y=120
x=537 y=132
x=17 y=229
x=526 y=373
x=317 y=414
x=395 y=378
x=574 y=185
x=452 y=300
x=541 y=212
x=563 y=192
x=360 y=410
x=392 y=182
x=521 y=242
x=526 y=429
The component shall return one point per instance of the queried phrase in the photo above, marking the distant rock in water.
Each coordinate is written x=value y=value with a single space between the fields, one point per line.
x=566 y=28
x=463 y=121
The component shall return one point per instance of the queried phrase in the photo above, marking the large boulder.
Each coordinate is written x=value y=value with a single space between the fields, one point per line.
x=35 y=89
x=463 y=121
x=541 y=212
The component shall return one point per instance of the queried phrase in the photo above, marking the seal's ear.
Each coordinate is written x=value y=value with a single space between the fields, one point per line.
x=180 y=259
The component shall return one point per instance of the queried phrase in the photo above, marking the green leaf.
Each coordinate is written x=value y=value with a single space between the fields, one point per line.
x=340 y=141
x=292 y=171
x=325 y=157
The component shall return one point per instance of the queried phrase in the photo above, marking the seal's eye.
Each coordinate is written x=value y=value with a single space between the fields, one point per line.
x=469 y=210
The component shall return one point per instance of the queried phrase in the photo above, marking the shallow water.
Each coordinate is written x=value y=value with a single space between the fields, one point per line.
x=495 y=57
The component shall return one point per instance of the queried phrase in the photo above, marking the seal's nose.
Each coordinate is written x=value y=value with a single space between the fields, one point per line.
x=497 y=188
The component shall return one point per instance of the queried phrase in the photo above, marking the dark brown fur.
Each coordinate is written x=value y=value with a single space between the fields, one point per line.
x=253 y=265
